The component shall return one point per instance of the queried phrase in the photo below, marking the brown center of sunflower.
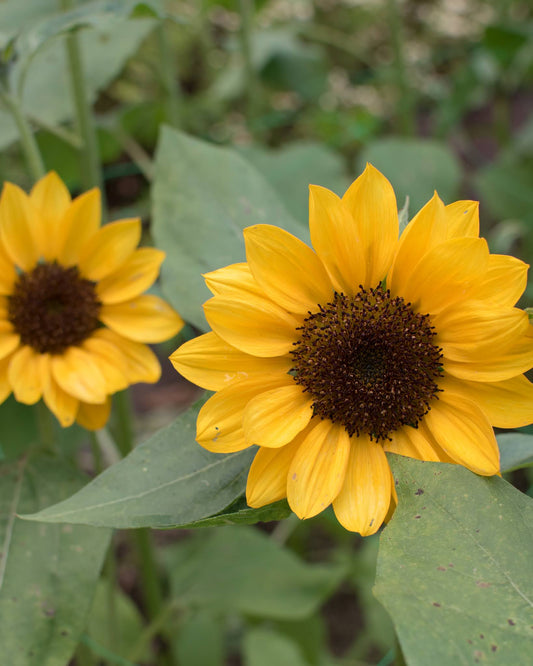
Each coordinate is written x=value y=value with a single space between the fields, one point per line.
x=369 y=362
x=53 y=308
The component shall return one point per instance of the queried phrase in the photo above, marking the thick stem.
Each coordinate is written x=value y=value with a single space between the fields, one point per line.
x=29 y=145
x=90 y=160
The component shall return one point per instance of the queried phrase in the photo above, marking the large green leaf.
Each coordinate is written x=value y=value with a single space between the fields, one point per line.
x=265 y=647
x=203 y=196
x=415 y=167
x=169 y=480
x=240 y=569
x=516 y=450
x=454 y=567
x=47 y=572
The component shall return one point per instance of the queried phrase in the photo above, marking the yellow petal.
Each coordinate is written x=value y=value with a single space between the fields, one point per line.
x=445 y=274
x=363 y=502
x=146 y=318
x=135 y=275
x=18 y=218
x=426 y=229
x=464 y=432
x=141 y=364
x=473 y=331
x=503 y=283
x=93 y=417
x=515 y=360
x=5 y=385
x=107 y=250
x=232 y=280
x=9 y=340
x=219 y=423
x=63 y=405
x=336 y=240
x=412 y=442
x=26 y=374
x=212 y=364
x=252 y=324
x=52 y=199
x=275 y=417
x=8 y=274
x=267 y=478
x=111 y=364
x=80 y=222
x=286 y=269
x=317 y=471
x=372 y=203
x=77 y=373
x=507 y=404
x=462 y=219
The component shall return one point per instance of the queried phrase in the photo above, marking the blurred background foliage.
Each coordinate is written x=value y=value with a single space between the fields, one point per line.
x=435 y=93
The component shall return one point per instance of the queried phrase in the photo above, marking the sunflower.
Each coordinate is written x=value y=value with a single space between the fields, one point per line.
x=73 y=318
x=329 y=358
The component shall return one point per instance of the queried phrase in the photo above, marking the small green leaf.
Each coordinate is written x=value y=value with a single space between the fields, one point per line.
x=516 y=450
x=43 y=613
x=240 y=569
x=168 y=481
x=203 y=197
x=264 y=647
x=454 y=567
x=239 y=513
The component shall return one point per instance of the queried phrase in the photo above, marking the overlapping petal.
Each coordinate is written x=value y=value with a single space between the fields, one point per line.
x=51 y=199
x=146 y=318
x=267 y=478
x=108 y=248
x=78 y=226
x=132 y=278
x=17 y=214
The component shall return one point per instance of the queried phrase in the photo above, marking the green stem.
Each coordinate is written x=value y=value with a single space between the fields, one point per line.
x=90 y=160
x=155 y=627
x=29 y=145
x=97 y=453
x=406 y=101
x=169 y=77
x=45 y=423
x=123 y=433
x=247 y=12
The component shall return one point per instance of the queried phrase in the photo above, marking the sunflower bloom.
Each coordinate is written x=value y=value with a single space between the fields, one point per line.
x=73 y=318
x=327 y=358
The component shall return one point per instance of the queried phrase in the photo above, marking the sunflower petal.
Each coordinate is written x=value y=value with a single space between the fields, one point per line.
x=93 y=417
x=232 y=280
x=212 y=364
x=111 y=365
x=462 y=219
x=26 y=374
x=78 y=374
x=141 y=364
x=146 y=318
x=135 y=275
x=219 y=424
x=253 y=324
x=335 y=237
x=52 y=199
x=286 y=269
x=5 y=385
x=411 y=442
x=267 y=478
x=507 y=404
x=63 y=405
x=9 y=340
x=8 y=274
x=275 y=417
x=317 y=471
x=503 y=283
x=107 y=250
x=363 y=502
x=17 y=226
x=80 y=222
x=372 y=203
x=464 y=432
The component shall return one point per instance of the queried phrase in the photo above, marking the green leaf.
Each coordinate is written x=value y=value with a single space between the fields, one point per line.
x=415 y=167
x=505 y=187
x=240 y=569
x=264 y=647
x=454 y=567
x=203 y=196
x=516 y=450
x=47 y=572
x=104 y=52
x=168 y=481
x=191 y=646
x=292 y=169
x=239 y=513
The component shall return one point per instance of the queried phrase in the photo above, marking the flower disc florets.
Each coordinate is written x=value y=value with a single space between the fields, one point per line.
x=369 y=362
x=53 y=308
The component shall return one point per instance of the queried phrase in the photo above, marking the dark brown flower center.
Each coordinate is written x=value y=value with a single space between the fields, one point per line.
x=369 y=362
x=53 y=308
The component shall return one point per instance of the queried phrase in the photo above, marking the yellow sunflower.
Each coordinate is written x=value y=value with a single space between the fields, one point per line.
x=73 y=318
x=328 y=358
